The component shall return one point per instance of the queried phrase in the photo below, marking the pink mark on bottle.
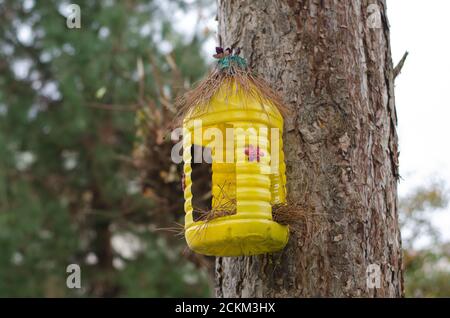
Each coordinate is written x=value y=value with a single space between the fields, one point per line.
x=253 y=153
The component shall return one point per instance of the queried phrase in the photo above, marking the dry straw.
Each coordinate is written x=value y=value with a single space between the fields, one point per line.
x=231 y=76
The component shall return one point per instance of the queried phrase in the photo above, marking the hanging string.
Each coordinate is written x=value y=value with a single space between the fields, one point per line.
x=226 y=59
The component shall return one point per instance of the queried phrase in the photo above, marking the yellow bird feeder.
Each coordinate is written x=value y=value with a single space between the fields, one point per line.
x=234 y=125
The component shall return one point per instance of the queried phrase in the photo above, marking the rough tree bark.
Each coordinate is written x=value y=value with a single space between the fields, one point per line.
x=331 y=61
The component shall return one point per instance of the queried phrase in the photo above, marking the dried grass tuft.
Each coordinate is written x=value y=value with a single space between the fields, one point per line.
x=232 y=80
x=302 y=221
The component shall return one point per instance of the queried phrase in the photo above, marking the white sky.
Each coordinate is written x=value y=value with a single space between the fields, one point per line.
x=422 y=94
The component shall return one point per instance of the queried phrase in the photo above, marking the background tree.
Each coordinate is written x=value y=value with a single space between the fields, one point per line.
x=426 y=253
x=68 y=188
x=332 y=63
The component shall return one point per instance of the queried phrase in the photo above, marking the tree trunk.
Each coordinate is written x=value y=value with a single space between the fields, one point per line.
x=331 y=62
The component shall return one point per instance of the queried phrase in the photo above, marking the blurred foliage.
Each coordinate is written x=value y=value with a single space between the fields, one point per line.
x=69 y=189
x=427 y=264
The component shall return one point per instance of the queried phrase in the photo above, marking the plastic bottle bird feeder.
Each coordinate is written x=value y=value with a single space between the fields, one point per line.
x=234 y=130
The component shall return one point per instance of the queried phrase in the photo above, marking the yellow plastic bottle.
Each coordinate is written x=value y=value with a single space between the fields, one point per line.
x=251 y=183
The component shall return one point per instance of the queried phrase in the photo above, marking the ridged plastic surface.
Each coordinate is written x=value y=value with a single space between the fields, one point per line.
x=251 y=187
